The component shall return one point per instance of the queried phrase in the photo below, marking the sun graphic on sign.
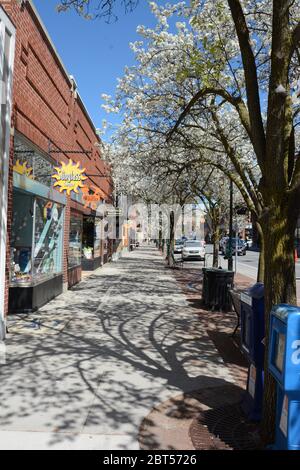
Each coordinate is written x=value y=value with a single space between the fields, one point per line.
x=23 y=169
x=69 y=177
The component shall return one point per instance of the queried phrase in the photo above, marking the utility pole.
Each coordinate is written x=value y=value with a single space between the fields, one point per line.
x=230 y=259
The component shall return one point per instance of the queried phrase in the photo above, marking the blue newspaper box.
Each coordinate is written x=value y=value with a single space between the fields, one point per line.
x=284 y=365
x=252 y=334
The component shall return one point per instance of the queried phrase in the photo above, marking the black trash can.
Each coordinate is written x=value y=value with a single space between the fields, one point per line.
x=216 y=286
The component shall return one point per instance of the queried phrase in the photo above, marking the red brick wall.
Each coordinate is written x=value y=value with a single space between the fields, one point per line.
x=45 y=107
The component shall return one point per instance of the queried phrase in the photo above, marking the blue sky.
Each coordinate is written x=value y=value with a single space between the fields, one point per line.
x=93 y=51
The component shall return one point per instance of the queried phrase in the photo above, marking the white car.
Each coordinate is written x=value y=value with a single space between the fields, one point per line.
x=249 y=242
x=193 y=249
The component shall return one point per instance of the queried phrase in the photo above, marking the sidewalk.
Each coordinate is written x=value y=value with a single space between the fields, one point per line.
x=209 y=418
x=106 y=355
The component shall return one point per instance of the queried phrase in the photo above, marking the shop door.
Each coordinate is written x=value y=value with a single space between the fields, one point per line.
x=7 y=48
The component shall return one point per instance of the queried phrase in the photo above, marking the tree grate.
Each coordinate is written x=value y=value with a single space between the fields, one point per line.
x=224 y=428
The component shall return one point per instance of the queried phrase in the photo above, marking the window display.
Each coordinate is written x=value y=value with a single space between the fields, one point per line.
x=36 y=244
x=48 y=226
x=75 y=241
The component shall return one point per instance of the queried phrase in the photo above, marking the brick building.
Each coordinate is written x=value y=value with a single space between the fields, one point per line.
x=50 y=234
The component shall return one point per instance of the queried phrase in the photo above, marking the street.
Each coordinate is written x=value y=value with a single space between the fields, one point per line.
x=246 y=265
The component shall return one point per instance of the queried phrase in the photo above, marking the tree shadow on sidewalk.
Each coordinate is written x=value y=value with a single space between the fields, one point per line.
x=116 y=359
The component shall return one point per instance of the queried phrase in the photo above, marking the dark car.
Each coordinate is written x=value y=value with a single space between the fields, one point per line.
x=237 y=245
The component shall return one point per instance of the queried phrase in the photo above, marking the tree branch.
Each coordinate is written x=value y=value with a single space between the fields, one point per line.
x=235 y=161
x=237 y=102
x=251 y=79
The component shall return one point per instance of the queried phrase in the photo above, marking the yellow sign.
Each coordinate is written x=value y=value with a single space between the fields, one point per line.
x=22 y=169
x=69 y=177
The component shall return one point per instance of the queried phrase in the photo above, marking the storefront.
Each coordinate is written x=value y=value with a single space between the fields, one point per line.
x=36 y=248
x=7 y=50
x=51 y=168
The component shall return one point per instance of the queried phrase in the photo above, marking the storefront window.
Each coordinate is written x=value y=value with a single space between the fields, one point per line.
x=47 y=257
x=36 y=244
x=21 y=237
x=75 y=241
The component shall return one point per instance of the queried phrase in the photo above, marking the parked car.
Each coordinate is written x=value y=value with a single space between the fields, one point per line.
x=238 y=245
x=249 y=242
x=193 y=249
x=178 y=245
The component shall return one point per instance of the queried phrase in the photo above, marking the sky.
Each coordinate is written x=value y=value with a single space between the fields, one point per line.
x=94 y=52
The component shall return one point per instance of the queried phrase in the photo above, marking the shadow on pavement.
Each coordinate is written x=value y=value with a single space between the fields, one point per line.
x=130 y=342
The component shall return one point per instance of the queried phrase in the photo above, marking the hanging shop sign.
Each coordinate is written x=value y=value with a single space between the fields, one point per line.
x=69 y=177
x=91 y=195
x=115 y=212
x=23 y=169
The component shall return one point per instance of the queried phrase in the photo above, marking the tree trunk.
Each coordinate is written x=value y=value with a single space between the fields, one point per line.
x=170 y=253
x=278 y=229
x=216 y=240
x=256 y=238
x=261 y=259
x=214 y=214
x=216 y=254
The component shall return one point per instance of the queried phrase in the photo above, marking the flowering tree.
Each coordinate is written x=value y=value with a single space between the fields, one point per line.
x=225 y=83
x=155 y=91
x=214 y=194
x=97 y=9
x=148 y=180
